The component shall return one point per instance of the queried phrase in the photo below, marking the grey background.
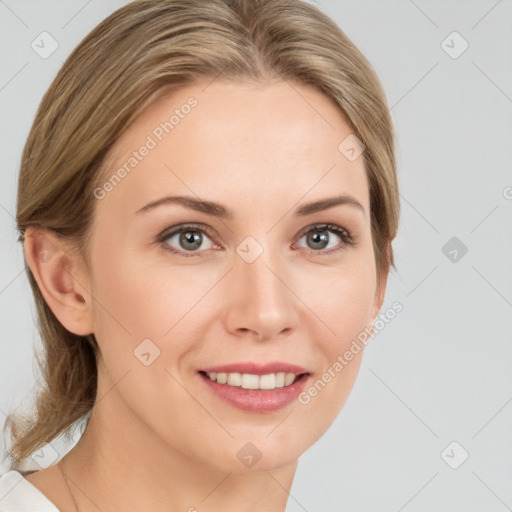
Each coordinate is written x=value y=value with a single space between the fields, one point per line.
x=441 y=370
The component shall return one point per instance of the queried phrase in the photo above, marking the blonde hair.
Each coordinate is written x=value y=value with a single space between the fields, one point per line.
x=138 y=53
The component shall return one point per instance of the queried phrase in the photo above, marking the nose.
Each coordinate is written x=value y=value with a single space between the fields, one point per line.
x=262 y=301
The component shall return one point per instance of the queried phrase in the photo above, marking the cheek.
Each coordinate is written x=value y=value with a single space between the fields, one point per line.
x=132 y=294
x=344 y=314
x=141 y=327
x=125 y=303
x=144 y=297
x=343 y=305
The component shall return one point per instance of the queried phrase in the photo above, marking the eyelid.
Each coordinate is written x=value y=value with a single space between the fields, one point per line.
x=324 y=226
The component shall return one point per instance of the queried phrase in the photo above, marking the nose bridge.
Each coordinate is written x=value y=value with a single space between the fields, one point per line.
x=263 y=301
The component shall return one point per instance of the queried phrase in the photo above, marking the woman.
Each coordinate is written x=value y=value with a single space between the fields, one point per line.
x=256 y=132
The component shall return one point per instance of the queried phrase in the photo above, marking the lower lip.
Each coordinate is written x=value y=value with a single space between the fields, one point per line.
x=257 y=400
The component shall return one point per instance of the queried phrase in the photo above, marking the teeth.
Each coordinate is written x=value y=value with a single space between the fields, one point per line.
x=235 y=379
x=251 y=381
x=289 y=378
x=280 y=379
x=267 y=381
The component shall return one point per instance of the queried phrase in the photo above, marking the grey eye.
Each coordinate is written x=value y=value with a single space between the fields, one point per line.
x=188 y=239
x=319 y=239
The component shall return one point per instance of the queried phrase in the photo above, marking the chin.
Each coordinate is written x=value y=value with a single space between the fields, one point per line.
x=260 y=454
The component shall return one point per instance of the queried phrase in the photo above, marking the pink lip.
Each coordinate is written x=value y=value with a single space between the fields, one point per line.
x=256 y=369
x=257 y=400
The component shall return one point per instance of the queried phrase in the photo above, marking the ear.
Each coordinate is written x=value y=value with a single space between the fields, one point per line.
x=61 y=277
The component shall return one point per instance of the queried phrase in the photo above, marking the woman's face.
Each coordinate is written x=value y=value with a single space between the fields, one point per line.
x=251 y=282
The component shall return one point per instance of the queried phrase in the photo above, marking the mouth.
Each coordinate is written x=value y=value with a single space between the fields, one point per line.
x=264 y=382
x=256 y=388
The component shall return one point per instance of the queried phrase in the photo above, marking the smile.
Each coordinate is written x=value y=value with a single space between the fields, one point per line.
x=268 y=381
x=262 y=392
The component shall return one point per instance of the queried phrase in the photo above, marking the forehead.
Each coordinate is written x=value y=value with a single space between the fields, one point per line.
x=226 y=139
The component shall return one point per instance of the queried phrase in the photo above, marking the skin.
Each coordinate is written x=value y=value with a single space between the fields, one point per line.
x=158 y=438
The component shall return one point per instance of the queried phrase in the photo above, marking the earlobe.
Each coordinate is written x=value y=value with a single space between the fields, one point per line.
x=61 y=279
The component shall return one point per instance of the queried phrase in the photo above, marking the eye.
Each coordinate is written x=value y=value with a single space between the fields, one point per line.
x=189 y=238
x=318 y=238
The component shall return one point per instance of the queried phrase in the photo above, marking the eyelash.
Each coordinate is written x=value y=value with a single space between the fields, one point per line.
x=347 y=238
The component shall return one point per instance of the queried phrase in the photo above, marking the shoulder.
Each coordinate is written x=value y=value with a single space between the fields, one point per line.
x=17 y=494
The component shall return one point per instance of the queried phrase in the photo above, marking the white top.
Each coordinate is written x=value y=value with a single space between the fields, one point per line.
x=17 y=494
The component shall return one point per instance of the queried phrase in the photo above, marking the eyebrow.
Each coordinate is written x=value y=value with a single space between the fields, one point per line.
x=220 y=211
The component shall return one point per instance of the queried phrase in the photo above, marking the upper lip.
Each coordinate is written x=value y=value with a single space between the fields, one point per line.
x=256 y=369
